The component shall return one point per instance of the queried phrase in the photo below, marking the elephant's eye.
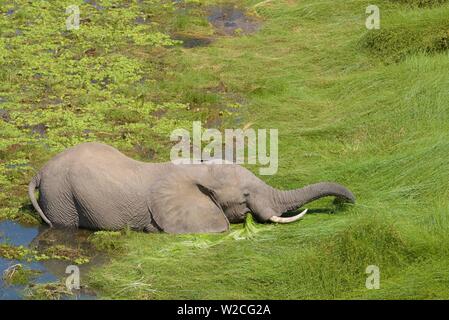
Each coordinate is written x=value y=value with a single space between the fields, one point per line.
x=246 y=194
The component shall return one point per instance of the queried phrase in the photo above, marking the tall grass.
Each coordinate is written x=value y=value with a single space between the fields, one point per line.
x=409 y=32
x=421 y=3
x=380 y=128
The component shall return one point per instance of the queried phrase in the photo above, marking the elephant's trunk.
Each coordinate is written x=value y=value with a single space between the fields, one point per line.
x=290 y=200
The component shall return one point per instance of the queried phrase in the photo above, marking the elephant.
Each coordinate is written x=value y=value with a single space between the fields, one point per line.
x=95 y=186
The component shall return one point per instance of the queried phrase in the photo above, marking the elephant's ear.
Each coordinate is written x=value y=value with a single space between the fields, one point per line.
x=179 y=205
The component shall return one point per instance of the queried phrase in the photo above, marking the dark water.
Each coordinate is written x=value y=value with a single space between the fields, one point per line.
x=15 y=234
x=40 y=238
x=192 y=41
x=227 y=20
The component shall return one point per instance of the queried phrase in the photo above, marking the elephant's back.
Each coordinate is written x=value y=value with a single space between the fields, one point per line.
x=89 y=154
x=94 y=168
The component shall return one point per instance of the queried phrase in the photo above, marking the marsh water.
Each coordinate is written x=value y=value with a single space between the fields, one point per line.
x=230 y=20
x=40 y=238
x=227 y=20
x=17 y=235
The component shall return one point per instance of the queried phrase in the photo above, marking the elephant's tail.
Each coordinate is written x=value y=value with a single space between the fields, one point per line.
x=31 y=187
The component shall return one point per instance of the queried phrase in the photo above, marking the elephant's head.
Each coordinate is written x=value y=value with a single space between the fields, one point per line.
x=239 y=191
x=205 y=198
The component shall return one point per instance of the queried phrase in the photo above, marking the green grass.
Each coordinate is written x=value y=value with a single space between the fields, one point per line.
x=421 y=3
x=369 y=109
x=408 y=33
x=382 y=130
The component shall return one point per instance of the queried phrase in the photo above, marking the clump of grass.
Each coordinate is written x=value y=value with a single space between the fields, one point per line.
x=15 y=253
x=18 y=275
x=109 y=241
x=62 y=252
x=47 y=291
x=410 y=33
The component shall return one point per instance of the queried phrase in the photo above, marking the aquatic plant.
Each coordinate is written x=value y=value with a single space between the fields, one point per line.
x=58 y=252
x=47 y=291
x=17 y=274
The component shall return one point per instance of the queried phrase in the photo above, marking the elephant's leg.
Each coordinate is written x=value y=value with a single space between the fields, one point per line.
x=99 y=213
x=151 y=226
x=106 y=203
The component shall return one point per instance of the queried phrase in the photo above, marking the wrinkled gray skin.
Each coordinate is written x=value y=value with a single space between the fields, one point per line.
x=94 y=186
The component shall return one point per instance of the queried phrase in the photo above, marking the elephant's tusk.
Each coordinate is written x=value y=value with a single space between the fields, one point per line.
x=288 y=220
